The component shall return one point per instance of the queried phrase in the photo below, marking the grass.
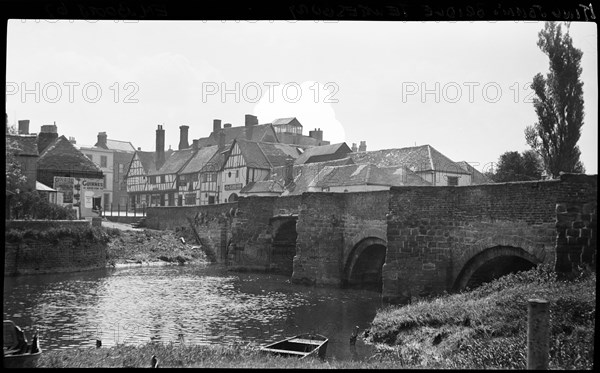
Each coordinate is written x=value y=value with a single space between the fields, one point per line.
x=187 y=356
x=485 y=328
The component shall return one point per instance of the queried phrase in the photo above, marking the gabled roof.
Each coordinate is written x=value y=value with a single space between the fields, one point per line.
x=253 y=154
x=199 y=160
x=307 y=174
x=478 y=177
x=217 y=161
x=316 y=153
x=118 y=145
x=62 y=155
x=266 y=186
x=147 y=160
x=174 y=162
x=260 y=132
x=366 y=174
x=277 y=154
x=27 y=144
x=417 y=158
x=281 y=121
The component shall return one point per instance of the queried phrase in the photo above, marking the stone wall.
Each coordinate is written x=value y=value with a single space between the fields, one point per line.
x=33 y=256
x=435 y=234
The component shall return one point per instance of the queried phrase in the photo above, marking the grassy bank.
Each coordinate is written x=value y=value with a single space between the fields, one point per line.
x=481 y=329
x=487 y=328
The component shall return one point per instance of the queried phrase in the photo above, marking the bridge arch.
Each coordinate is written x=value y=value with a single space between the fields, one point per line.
x=493 y=263
x=365 y=263
x=283 y=245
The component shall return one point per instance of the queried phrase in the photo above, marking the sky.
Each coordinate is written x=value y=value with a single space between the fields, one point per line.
x=461 y=87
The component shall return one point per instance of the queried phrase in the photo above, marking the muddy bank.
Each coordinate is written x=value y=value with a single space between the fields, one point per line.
x=128 y=247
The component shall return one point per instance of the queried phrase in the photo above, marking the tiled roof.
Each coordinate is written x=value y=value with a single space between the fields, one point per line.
x=123 y=146
x=62 y=155
x=27 y=145
x=403 y=176
x=306 y=175
x=147 y=159
x=281 y=121
x=477 y=177
x=365 y=174
x=316 y=152
x=216 y=162
x=267 y=186
x=199 y=160
x=417 y=158
x=174 y=162
x=260 y=132
x=277 y=154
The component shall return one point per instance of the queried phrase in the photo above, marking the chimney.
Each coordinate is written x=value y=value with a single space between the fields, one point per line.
x=102 y=140
x=221 y=140
x=160 y=147
x=250 y=120
x=195 y=144
x=316 y=134
x=216 y=125
x=183 y=137
x=363 y=146
x=289 y=170
x=227 y=125
x=354 y=149
x=72 y=140
x=24 y=127
x=48 y=133
x=139 y=148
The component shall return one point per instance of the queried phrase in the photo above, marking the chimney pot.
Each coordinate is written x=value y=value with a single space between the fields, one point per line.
x=221 y=139
x=227 y=125
x=363 y=146
x=102 y=140
x=195 y=144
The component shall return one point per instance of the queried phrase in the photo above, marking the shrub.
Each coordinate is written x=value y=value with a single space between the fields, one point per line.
x=32 y=205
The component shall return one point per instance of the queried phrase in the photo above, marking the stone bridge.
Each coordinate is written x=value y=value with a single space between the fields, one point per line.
x=411 y=241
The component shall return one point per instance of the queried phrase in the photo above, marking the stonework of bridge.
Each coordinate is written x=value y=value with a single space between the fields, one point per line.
x=406 y=242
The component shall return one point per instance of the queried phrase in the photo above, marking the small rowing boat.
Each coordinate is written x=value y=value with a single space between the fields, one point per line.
x=17 y=353
x=301 y=346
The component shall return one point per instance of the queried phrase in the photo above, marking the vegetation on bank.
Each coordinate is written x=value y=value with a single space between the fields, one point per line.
x=56 y=234
x=147 y=245
x=485 y=328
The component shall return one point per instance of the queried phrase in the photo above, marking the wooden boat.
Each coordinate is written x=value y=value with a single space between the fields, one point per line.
x=17 y=353
x=302 y=345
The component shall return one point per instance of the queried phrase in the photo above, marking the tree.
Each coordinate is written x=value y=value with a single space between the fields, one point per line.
x=515 y=166
x=558 y=103
x=14 y=175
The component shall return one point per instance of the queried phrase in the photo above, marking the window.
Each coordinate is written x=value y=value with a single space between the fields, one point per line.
x=121 y=167
x=211 y=200
x=453 y=180
x=102 y=161
x=152 y=179
x=237 y=173
x=90 y=157
x=104 y=182
x=190 y=199
x=162 y=178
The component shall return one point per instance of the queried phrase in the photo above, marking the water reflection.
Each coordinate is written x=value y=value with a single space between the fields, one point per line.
x=184 y=304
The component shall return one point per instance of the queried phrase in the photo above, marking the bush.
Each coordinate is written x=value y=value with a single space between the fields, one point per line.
x=32 y=205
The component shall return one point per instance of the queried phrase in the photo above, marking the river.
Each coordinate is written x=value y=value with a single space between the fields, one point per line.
x=190 y=304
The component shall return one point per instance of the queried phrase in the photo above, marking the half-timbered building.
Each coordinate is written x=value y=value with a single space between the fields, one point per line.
x=194 y=185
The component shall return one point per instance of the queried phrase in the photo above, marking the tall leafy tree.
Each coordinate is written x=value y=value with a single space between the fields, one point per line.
x=515 y=166
x=14 y=175
x=558 y=103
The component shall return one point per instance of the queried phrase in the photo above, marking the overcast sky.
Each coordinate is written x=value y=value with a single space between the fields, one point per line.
x=460 y=87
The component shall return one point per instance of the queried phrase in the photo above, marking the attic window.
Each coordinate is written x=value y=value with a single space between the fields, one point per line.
x=453 y=180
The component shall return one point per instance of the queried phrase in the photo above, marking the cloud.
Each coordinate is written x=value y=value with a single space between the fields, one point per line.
x=312 y=103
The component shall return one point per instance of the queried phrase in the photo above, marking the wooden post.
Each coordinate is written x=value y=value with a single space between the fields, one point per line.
x=538 y=334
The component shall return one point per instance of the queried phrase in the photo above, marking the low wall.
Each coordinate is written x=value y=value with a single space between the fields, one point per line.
x=65 y=254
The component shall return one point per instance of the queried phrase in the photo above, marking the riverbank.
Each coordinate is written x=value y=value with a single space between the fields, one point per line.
x=481 y=329
x=129 y=246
